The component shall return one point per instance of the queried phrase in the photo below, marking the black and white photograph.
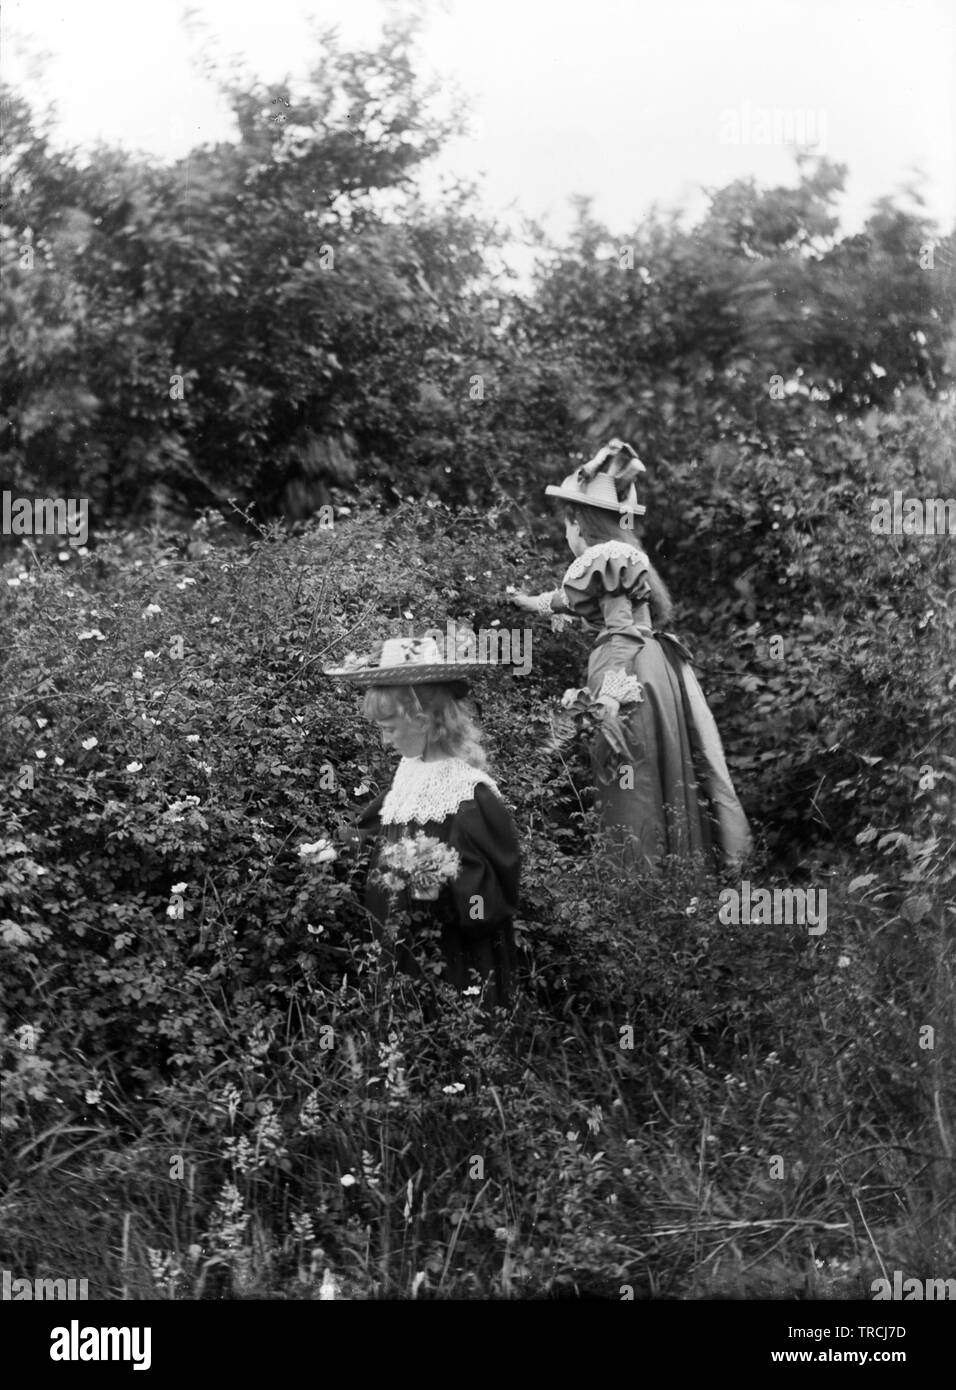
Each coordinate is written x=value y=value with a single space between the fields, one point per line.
x=477 y=720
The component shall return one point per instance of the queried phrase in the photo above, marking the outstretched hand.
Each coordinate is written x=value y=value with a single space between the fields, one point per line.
x=526 y=601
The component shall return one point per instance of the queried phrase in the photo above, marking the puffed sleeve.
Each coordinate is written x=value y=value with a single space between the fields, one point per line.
x=612 y=570
x=486 y=889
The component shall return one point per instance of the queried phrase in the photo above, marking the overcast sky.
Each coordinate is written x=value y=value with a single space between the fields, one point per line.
x=630 y=101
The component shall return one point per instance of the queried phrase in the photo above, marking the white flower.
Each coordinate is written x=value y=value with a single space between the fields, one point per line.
x=421 y=863
x=843 y=962
x=62 y=555
x=454 y=1088
x=82 y=550
x=41 y=723
x=179 y=887
x=192 y=738
x=14 y=583
x=151 y=609
x=90 y=632
x=134 y=767
x=90 y=742
x=40 y=752
x=59 y=762
x=472 y=989
x=150 y=656
x=138 y=674
x=319 y=852
x=215 y=620
x=347 y=1180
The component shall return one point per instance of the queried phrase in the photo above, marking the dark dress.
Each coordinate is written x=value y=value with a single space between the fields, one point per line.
x=459 y=806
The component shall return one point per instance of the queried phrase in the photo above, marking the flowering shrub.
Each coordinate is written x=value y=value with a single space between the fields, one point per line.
x=198 y=1029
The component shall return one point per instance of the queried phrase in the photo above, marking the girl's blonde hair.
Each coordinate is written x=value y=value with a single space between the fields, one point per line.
x=599 y=524
x=449 y=728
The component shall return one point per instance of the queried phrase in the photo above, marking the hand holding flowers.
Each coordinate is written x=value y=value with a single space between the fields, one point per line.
x=419 y=865
x=584 y=714
x=617 y=689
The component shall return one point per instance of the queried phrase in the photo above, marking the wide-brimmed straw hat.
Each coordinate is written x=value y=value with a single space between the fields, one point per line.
x=606 y=481
x=408 y=661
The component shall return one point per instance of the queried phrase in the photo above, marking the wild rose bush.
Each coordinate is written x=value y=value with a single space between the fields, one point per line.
x=207 y=1068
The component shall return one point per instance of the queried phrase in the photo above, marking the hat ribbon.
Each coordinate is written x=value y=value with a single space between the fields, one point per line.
x=626 y=475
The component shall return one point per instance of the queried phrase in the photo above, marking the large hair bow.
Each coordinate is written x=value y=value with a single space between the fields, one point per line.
x=618 y=461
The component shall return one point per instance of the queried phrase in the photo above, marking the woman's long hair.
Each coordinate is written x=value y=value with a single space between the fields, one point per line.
x=449 y=727
x=599 y=524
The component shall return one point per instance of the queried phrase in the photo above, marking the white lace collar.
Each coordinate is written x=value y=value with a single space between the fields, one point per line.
x=422 y=792
x=607 y=550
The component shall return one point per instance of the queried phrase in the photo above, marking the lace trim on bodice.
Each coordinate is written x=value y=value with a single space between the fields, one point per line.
x=610 y=550
x=421 y=792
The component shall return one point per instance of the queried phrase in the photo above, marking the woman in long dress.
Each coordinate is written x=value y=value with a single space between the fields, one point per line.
x=662 y=782
x=441 y=790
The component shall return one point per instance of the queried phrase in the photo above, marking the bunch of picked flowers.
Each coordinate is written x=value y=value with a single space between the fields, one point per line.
x=583 y=714
x=418 y=865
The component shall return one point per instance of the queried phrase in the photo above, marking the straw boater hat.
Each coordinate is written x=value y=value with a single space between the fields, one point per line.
x=407 y=661
x=606 y=481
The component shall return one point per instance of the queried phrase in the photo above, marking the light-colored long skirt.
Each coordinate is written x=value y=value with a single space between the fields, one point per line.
x=662 y=780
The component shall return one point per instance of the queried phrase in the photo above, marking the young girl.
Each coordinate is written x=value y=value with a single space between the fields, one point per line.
x=662 y=782
x=441 y=789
